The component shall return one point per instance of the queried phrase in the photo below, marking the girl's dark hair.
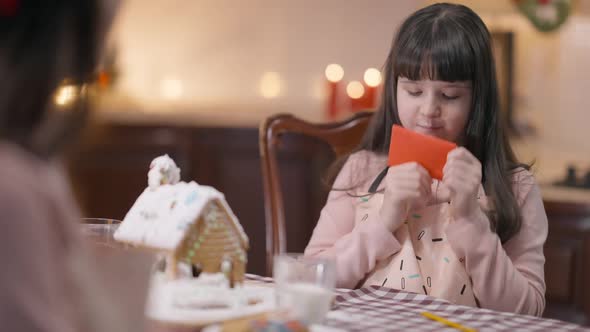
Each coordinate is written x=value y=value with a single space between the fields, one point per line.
x=41 y=44
x=450 y=42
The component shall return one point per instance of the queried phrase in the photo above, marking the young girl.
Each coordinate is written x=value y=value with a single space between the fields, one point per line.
x=476 y=237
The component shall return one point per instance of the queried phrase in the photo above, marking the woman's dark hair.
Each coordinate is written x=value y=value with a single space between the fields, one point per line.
x=42 y=43
x=450 y=42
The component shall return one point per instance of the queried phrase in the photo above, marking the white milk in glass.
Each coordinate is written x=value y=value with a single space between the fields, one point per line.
x=307 y=302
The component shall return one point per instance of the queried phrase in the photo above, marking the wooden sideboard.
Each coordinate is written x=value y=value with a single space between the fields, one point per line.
x=108 y=169
x=567 y=266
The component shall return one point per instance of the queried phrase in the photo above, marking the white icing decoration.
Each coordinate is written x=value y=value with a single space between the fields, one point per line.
x=205 y=299
x=152 y=223
x=163 y=170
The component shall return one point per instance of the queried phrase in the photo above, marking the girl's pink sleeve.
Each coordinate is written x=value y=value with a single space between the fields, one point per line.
x=510 y=277
x=356 y=249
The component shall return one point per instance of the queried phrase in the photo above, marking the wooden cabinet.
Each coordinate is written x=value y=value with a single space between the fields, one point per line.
x=109 y=170
x=567 y=266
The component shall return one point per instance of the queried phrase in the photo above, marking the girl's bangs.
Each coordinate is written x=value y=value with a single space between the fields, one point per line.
x=438 y=55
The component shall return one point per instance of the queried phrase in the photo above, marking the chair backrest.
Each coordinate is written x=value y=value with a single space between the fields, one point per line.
x=342 y=137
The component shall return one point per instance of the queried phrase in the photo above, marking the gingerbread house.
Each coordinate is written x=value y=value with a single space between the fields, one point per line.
x=192 y=224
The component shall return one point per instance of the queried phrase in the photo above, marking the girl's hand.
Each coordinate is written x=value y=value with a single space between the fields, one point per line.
x=407 y=187
x=461 y=181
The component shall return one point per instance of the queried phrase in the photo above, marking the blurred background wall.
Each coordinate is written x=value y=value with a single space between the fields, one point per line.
x=219 y=51
x=212 y=60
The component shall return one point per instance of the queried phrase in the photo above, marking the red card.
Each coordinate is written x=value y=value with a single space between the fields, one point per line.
x=430 y=152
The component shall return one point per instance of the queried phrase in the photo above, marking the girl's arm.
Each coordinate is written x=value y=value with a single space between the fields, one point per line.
x=356 y=249
x=510 y=277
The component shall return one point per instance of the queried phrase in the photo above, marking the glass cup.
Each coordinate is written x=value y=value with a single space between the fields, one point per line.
x=100 y=231
x=304 y=286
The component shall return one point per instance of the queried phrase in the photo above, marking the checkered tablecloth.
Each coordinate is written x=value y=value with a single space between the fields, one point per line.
x=383 y=309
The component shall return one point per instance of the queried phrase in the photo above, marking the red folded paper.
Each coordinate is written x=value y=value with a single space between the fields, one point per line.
x=430 y=152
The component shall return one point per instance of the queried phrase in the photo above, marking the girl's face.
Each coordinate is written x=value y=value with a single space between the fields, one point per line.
x=435 y=108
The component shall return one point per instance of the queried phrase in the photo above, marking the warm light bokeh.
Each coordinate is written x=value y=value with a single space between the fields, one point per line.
x=355 y=89
x=65 y=95
x=334 y=72
x=372 y=77
x=171 y=88
x=270 y=85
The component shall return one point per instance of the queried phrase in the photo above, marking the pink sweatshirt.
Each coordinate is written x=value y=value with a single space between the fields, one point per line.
x=462 y=261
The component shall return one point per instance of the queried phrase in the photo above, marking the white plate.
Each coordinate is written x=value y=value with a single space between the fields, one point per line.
x=187 y=302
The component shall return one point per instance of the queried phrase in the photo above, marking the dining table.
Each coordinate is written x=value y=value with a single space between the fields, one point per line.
x=377 y=308
x=373 y=308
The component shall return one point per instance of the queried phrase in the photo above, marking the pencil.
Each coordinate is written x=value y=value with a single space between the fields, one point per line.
x=448 y=322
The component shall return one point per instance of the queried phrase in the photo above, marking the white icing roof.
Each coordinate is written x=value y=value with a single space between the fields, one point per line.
x=160 y=216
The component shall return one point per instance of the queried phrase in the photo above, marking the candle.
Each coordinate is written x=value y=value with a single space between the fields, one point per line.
x=334 y=74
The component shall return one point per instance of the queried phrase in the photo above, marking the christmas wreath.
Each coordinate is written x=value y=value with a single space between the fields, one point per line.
x=546 y=15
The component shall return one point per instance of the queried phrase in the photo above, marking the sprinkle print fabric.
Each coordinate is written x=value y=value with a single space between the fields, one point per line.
x=426 y=263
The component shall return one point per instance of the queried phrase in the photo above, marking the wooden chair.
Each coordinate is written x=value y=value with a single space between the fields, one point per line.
x=342 y=137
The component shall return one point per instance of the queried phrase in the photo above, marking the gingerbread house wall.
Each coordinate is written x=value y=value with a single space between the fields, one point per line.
x=212 y=239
